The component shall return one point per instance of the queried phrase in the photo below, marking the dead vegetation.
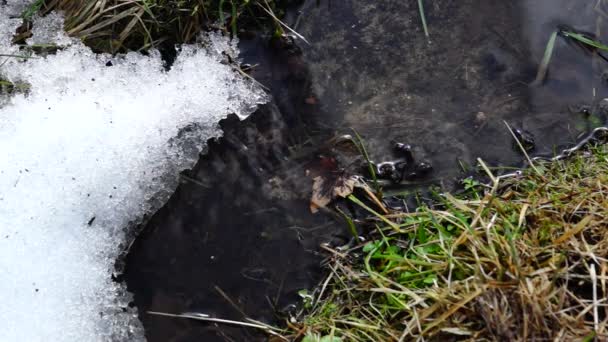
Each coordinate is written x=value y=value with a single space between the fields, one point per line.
x=123 y=25
x=520 y=260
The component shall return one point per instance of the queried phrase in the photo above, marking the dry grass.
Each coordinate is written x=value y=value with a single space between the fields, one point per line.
x=121 y=25
x=519 y=261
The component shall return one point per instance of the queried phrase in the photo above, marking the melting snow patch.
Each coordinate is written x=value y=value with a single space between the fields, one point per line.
x=82 y=154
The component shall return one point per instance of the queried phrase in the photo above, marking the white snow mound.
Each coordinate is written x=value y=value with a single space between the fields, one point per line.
x=88 y=141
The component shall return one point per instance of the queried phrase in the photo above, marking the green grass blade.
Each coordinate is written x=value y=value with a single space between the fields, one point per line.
x=32 y=9
x=361 y=147
x=579 y=37
x=351 y=224
x=423 y=18
x=544 y=64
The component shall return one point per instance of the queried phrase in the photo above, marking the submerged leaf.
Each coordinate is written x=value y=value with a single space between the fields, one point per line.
x=345 y=188
x=319 y=198
x=325 y=190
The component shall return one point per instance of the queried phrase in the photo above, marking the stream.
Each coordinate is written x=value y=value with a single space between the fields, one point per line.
x=237 y=238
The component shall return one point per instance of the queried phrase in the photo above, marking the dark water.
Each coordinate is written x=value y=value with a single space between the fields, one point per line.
x=243 y=225
x=240 y=221
x=374 y=70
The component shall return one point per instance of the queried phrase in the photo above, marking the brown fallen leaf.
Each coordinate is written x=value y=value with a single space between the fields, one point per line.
x=325 y=190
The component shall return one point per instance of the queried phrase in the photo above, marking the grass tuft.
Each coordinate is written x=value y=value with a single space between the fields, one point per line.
x=526 y=260
x=122 y=25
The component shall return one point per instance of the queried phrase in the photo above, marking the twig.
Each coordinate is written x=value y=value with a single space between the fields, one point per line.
x=490 y=174
x=324 y=287
x=17 y=56
x=523 y=150
x=333 y=251
x=204 y=317
x=230 y=301
x=282 y=23
x=595 y=302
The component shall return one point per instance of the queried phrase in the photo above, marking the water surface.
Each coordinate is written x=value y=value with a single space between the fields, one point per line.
x=243 y=224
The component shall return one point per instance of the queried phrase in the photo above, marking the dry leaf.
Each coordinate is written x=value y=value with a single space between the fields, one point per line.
x=324 y=191
x=319 y=197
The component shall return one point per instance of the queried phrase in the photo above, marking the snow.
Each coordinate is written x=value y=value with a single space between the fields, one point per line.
x=92 y=141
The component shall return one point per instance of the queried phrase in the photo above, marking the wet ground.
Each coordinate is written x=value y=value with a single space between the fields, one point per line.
x=240 y=221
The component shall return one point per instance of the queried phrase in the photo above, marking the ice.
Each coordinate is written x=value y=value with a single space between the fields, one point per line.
x=49 y=30
x=88 y=141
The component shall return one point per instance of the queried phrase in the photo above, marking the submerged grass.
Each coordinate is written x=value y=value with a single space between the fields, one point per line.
x=526 y=259
x=120 y=25
x=584 y=40
x=423 y=18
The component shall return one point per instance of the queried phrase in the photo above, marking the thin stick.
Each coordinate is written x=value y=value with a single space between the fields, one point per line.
x=595 y=302
x=230 y=301
x=523 y=150
x=246 y=75
x=373 y=198
x=282 y=23
x=16 y=56
x=206 y=318
x=324 y=287
x=489 y=173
